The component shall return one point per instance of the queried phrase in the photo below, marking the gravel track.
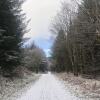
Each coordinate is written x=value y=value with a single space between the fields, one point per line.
x=48 y=87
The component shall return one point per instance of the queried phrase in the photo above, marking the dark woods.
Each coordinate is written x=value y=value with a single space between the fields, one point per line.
x=77 y=46
x=12 y=28
x=13 y=25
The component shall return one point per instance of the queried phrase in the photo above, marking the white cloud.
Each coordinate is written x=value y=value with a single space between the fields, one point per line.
x=41 y=13
x=48 y=52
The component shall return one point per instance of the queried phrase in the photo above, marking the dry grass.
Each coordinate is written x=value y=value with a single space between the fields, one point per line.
x=11 y=89
x=86 y=89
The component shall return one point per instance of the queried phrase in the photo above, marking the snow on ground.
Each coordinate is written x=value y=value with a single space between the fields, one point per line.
x=48 y=87
x=84 y=89
x=12 y=89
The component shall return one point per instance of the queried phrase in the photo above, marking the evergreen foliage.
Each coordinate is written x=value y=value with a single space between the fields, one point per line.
x=60 y=53
x=11 y=21
x=83 y=37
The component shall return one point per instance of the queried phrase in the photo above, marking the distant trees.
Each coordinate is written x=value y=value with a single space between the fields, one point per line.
x=34 y=59
x=81 y=26
x=12 y=22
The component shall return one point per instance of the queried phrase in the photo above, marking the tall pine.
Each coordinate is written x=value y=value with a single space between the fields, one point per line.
x=11 y=21
x=60 y=53
x=88 y=27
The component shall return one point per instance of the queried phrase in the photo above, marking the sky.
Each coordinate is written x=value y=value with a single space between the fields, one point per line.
x=41 y=13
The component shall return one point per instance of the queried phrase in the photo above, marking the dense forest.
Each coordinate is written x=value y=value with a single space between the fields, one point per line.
x=77 y=46
x=75 y=33
x=13 y=53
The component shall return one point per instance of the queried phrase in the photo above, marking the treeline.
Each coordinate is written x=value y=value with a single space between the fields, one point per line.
x=34 y=58
x=77 y=46
x=13 y=25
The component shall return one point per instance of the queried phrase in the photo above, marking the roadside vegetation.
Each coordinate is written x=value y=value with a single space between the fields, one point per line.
x=76 y=49
x=18 y=62
x=77 y=46
x=84 y=89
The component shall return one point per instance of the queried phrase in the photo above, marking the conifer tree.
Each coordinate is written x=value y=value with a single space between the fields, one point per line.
x=11 y=20
x=60 y=53
x=88 y=27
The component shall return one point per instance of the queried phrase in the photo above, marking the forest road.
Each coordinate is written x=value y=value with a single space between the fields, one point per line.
x=48 y=87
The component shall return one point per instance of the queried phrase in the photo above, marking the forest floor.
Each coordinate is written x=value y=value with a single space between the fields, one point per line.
x=12 y=89
x=85 y=89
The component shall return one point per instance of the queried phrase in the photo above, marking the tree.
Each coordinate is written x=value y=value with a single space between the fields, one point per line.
x=88 y=27
x=11 y=20
x=35 y=59
x=60 y=53
x=63 y=22
x=81 y=27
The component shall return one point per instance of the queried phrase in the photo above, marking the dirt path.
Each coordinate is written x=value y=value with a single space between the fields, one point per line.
x=48 y=87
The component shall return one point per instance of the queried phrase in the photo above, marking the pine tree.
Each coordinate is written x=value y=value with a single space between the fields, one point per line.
x=11 y=20
x=60 y=53
x=88 y=27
